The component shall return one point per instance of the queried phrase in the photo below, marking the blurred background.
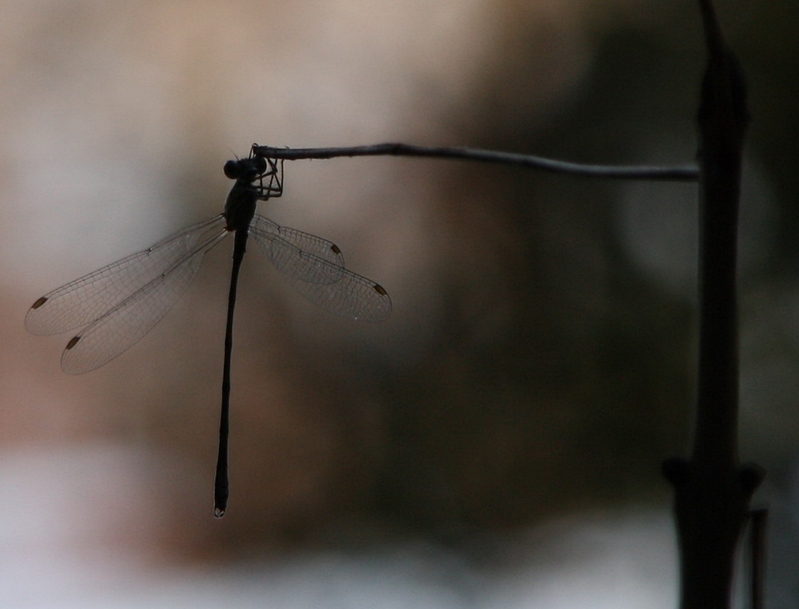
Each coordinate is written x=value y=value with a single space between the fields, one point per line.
x=497 y=441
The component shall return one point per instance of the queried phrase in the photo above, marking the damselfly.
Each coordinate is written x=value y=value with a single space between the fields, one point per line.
x=118 y=304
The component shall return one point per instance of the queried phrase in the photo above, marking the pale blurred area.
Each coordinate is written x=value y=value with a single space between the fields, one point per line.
x=497 y=441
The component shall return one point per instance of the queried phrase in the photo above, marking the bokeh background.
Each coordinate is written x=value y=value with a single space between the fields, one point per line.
x=497 y=441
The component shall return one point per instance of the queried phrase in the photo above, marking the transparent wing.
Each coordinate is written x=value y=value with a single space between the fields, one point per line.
x=90 y=297
x=296 y=254
x=353 y=296
x=315 y=267
x=127 y=323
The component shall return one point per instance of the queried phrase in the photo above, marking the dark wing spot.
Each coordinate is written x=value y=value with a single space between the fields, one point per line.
x=380 y=290
x=72 y=342
x=39 y=302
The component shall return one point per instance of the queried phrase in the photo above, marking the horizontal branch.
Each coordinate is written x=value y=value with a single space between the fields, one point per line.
x=686 y=173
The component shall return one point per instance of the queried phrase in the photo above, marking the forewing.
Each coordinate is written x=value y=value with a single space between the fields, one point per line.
x=91 y=296
x=297 y=254
x=125 y=324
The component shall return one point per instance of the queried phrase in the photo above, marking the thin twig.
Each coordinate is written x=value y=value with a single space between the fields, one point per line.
x=686 y=173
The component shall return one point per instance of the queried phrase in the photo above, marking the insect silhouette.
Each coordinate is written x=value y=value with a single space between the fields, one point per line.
x=118 y=304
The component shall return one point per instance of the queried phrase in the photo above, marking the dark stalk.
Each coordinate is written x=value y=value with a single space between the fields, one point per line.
x=712 y=489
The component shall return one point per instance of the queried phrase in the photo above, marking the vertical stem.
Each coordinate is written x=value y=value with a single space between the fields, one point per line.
x=720 y=170
x=712 y=490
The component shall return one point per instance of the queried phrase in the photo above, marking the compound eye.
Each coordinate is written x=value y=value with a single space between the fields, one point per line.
x=233 y=169
x=258 y=164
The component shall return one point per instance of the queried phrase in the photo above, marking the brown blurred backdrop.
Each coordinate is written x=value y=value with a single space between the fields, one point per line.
x=539 y=360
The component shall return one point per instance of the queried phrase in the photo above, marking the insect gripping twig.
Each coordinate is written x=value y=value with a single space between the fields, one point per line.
x=119 y=304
